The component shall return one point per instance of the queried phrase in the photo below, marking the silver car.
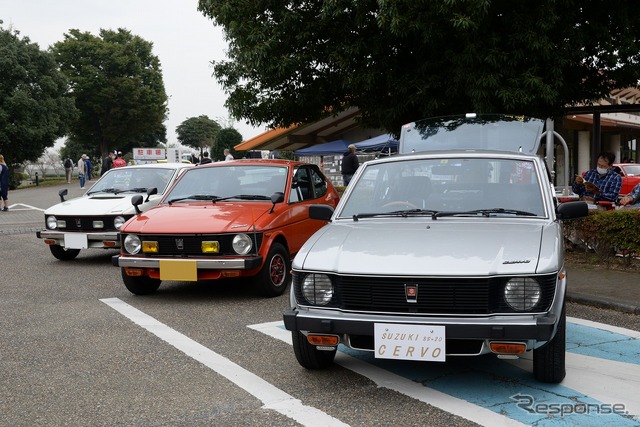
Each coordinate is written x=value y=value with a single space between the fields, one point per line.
x=453 y=248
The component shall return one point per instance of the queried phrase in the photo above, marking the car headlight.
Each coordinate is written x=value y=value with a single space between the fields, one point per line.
x=522 y=293
x=52 y=222
x=242 y=244
x=317 y=289
x=132 y=244
x=118 y=222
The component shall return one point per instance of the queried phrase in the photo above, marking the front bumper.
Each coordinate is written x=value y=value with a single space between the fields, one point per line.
x=94 y=239
x=202 y=264
x=540 y=328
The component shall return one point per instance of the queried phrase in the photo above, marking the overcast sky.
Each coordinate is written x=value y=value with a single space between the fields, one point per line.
x=184 y=40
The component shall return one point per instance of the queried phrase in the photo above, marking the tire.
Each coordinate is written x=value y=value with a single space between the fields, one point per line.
x=140 y=285
x=308 y=355
x=549 y=360
x=63 y=254
x=275 y=275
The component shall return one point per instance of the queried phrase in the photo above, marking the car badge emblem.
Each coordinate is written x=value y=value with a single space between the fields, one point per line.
x=78 y=223
x=180 y=244
x=411 y=292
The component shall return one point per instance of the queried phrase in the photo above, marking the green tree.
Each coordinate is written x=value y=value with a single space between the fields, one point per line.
x=34 y=107
x=401 y=60
x=227 y=138
x=199 y=132
x=117 y=83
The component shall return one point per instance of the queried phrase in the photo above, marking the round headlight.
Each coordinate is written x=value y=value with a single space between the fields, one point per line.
x=118 y=222
x=317 y=289
x=132 y=244
x=522 y=293
x=242 y=244
x=52 y=222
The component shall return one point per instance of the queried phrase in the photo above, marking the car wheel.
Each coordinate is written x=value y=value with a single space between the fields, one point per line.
x=549 y=360
x=275 y=275
x=308 y=355
x=140 y=285
x=63 y=254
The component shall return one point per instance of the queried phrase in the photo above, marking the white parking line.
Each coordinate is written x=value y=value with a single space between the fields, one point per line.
x=271 y=396
x=402 y=385
x=28 y=207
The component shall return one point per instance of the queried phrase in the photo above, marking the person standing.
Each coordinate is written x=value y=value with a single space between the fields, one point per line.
x=107 y=162
x=119 y=162
x=227 y=155
x=606 y=182
x=68 y=169
x=349 y=165
x=205 y=158
x=4 y=184
x=82 y=170
x=88 y=162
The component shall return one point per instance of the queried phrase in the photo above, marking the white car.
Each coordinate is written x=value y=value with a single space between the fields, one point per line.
x=454 y=248
x=93 y=220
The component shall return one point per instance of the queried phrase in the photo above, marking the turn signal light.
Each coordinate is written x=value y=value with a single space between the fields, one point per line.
x=109 y=244
x=328 y=340
x=508 y=347
x=50 y=241
x=134 y=271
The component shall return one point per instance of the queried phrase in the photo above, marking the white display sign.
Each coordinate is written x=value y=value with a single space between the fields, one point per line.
x=409 y=342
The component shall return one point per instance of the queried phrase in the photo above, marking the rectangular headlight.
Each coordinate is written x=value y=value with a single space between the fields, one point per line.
x=98 y=224
x=61 y=223
x=150 y=247
x=210 y=247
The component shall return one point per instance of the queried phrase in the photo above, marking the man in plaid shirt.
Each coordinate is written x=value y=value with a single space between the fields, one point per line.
x=631 y=198
x=606 y=179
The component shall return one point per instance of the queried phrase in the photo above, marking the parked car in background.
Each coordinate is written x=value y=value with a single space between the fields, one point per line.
x=234 y=219
x=453 y=248
x=93 y=220
x=630 y=173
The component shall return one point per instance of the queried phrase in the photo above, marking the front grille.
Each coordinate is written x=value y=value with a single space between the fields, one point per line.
x=191 y=245
x=85 y=223
x=456 y=296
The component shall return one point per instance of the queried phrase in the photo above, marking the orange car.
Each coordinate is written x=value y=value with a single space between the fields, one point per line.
x=630 y=173
x=242 y=218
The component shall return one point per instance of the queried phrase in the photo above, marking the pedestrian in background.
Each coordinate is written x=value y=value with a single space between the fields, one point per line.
x=82 y=170
x=88 y=163
x=205 y=158
x=349 y=165
x=227 y=155
x=68 y=169
x=119 y=162
x=4 y=184
x=107 y=162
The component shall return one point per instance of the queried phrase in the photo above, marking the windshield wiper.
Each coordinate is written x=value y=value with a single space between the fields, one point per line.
x=485 y=212
x=106 y=190
x=401 y=213
x=194 y=197
x=135 y=190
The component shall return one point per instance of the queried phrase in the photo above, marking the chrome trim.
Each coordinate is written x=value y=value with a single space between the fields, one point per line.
x=98 y=236
x=206 y=264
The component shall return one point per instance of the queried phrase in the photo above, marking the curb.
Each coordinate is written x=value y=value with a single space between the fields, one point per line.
x=603 y=302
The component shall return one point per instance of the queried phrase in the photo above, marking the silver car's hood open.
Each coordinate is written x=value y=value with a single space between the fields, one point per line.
x=446 y=247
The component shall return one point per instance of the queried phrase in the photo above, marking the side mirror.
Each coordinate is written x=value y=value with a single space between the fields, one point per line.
x=62 y=193
x=321 y=212
x=150 y=192
x=277 y=197
x=137 y=201
x=572 y=210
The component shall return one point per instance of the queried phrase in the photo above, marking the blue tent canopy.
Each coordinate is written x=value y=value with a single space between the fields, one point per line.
x=339 y=146
x=328 y=148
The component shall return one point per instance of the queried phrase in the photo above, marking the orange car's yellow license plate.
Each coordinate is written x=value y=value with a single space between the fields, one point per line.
x=181 y=270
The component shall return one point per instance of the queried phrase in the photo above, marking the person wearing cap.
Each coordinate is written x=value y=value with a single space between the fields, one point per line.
x=119 y=162
x=82 y=170
x=107 y=162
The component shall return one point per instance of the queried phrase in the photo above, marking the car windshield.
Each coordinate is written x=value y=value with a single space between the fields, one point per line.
x=445 y=187
x=132 y=179
x=631 y=170
x=249 y=182
x=473 y=131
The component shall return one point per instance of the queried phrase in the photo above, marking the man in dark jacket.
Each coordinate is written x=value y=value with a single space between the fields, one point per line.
x=349 y=164
x=107 y=163
x=205 y=158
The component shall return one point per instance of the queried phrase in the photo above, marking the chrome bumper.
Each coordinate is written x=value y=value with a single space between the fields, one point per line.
x=204 y=264
x=91 y=236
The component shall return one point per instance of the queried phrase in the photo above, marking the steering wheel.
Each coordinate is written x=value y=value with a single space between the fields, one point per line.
x=400 y=203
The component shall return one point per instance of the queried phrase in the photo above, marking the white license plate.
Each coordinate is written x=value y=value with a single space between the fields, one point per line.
x=76 y=241
x=409 y=342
